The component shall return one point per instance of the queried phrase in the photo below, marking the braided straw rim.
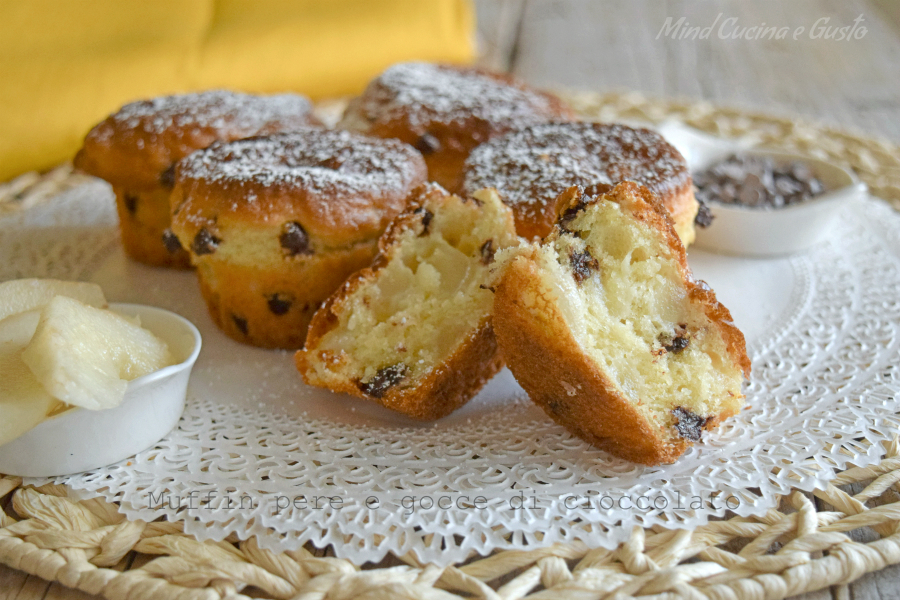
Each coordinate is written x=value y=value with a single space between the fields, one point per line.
x=796 y=548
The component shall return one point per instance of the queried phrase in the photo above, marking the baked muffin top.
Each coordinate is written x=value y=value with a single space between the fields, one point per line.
x=340 y=187
x=138 y=145
x=532 y=166
x=417 y=95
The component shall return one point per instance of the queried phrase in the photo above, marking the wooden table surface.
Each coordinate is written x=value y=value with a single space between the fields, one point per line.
x=623 y=45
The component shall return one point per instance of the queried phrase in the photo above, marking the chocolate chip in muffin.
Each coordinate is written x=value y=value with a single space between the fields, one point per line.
x=570 y=213
x=279 y=304
x=385 y=378
x=171 y=242
x=678 y=344
x=130 y=201
x=428 y=144
x=293 y=239
x=204 y=243
x=688 y=424
x=167 y=177
x=240 y=323
x=583 y=264
x=427 y=216
x=675 y=342
x=487 y=252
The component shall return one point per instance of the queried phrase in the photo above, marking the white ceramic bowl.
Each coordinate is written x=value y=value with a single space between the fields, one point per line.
x=743 y=230
x=79 y=439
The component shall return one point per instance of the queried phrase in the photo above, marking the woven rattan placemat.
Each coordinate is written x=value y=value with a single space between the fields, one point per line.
x=810 y=542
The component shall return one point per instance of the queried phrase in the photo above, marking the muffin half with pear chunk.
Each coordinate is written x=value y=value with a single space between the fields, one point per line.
x=607 y=330
x=413 y=332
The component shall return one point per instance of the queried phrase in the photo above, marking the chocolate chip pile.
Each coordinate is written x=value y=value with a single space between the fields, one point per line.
x=757 y=181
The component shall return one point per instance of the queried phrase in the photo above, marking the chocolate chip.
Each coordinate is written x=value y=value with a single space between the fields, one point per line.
x=167 y=177
x=171 y=242
x=487 y=252
x=582 y=265
x=428 y=144
x=427 y=216
x=677 y=341
x=240 y=323
x=704 y=216
x=204 y=243
x=678 y=344
x=385 y=378
x=130 y=201
x=570 y=213
x=293 y=239
x=279 y=304
x=688 y=424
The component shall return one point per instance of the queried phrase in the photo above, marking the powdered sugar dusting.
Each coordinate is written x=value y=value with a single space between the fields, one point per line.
x=316 y=160
x=422 y=93
x=217 y=109
x=534 y=165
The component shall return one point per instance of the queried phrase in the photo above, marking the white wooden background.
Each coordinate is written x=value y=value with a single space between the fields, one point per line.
x=606 y=45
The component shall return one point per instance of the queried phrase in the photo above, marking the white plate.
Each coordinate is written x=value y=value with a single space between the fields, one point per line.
x=79 y=440
x=824 y=333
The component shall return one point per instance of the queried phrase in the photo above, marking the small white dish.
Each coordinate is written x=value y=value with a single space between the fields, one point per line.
x=749 y=231
x=80 y=440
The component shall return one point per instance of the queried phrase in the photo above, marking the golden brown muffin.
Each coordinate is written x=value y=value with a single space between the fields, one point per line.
x=606 y=329
x=275 y=224
x=136 y=149
x=445 y=111
x=531 y=167
x=413 y=332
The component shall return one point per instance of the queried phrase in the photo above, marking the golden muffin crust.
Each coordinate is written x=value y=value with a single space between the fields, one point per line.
x=606 y=329
x=413 y=332
x=445 y=111
x=339 y=187
x=532 y=166
x=137 y=146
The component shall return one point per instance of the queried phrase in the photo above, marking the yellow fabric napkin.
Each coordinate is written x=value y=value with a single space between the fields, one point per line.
x=67 y=65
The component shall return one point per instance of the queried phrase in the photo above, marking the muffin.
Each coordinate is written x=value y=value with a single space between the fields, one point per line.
x=413 y=332
x=531 y=167
x=606 y=329
x=446 y=111
x=275 y=224
x=136 y=149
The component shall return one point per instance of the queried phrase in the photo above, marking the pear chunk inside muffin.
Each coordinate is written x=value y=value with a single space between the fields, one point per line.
x=413 y=332
x=604 y=326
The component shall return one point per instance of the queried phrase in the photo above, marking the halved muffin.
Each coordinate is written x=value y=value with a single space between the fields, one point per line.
x=605 y=327
x=413 y=332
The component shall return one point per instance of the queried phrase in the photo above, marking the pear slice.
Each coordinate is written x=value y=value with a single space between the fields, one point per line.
x=18 y=329
x=85 y=356
x=24 y=403
x=21 y=295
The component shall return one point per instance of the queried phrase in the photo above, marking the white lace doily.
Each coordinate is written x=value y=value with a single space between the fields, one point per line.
x=823 y=334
